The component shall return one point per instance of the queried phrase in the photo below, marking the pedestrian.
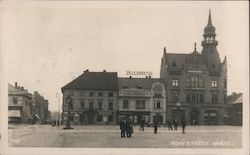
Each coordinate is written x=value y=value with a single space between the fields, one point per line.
x=129 y=128
x=169 y=125
x=142 y=122
x=122 y=128
x=175 y=124
x=58 y=122
x=155 y=126
x=183 y=124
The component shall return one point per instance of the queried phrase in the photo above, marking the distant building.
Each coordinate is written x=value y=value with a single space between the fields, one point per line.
x=142 y=98
x=91 y=98
x=196 y=82
x=19 y=104
x=40 y=108
x=235 y=109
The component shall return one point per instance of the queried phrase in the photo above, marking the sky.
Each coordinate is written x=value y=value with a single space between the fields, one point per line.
x=47 y=45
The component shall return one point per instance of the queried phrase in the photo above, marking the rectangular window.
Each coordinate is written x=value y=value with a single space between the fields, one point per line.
x=125 y=104
x=91 y=93
x=82 y=104
x=100 y=94
x=100 y=105
x=175 y=83
x=140 y=104
x=175 y=97
x=214 y=98
x=201 y=98
x=225 y=83
x=214 y=84
x=81 y=93
x=157 y=104
x=110 y=105
x=188 y=98
x=111 y=94
x=91 y=105
x=14 y=100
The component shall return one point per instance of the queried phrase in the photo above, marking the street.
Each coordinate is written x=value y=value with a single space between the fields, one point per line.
x=108 y=136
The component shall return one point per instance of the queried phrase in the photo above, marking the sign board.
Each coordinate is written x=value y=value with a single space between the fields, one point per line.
x=139 y=73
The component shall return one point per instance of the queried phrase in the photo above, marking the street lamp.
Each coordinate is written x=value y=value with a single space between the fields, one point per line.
x=69 y=102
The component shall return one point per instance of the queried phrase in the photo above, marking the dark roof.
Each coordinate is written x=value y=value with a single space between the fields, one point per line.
x=181 y=60
x=94 y=81
x=138 y=83
x=234 y=98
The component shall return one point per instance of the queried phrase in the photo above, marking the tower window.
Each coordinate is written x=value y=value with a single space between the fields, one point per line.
x=214 y=84
x=175 y=82
x=195 y=81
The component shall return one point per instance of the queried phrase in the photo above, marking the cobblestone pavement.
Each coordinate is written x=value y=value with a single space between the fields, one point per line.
x=109 y=137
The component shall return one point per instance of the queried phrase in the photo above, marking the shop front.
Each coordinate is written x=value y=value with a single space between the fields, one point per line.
x=135 y=116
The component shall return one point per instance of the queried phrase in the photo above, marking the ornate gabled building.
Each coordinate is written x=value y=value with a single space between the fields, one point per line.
x=196 y=82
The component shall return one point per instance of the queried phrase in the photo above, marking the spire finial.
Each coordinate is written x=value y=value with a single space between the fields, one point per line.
x=209 y=18
x=164 y=49
x=194 y=46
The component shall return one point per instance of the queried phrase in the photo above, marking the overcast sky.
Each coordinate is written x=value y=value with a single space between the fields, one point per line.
x=46 y=45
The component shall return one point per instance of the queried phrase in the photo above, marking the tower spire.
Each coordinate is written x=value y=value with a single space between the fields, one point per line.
x=209 y=18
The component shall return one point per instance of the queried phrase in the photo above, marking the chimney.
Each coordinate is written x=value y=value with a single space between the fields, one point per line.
x=130 y=76
x=15 y=84
x=22 y=88
x=104 y=70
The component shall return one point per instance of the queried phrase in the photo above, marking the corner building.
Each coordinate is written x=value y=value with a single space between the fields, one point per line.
x=196 y=82
x=142 y=98
x=94 y=98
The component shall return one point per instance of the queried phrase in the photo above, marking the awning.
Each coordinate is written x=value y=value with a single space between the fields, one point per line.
x=14 y=113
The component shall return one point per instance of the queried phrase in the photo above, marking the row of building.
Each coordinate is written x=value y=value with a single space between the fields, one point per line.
x=24 y=107
x=192 y=85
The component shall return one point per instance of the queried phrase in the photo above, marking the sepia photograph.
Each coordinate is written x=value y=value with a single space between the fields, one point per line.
x=124 y=77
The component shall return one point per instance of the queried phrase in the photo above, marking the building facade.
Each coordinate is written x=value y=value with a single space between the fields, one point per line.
x=234 y=115
x=19 y=104
x=196 y=82
x=142 y=98
x=91 y=98
x=40 y=108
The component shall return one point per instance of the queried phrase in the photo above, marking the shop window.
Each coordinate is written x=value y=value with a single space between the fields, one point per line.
x=110 y=118
x=99 y=118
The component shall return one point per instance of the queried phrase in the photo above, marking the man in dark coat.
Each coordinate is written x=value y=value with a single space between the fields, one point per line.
x=155 y=126
x=129 y=128
x=169 y=125
x=122 y=128
x=175 y=124
x=183 y=124
x=142 y=122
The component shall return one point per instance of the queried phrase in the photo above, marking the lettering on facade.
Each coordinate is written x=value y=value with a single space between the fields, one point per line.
x=139 y=73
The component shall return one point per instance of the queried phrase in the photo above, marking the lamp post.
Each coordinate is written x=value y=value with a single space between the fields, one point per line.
x=69 y=102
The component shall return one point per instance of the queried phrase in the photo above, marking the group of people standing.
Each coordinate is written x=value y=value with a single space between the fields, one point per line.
x=126 y=128
x=175 y=123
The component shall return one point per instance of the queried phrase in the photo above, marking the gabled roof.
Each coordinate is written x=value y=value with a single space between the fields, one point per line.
x=138 y=83
x=234 y=98
x=94 y=81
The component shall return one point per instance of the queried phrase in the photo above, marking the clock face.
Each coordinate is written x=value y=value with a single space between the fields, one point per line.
x=68 y=99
